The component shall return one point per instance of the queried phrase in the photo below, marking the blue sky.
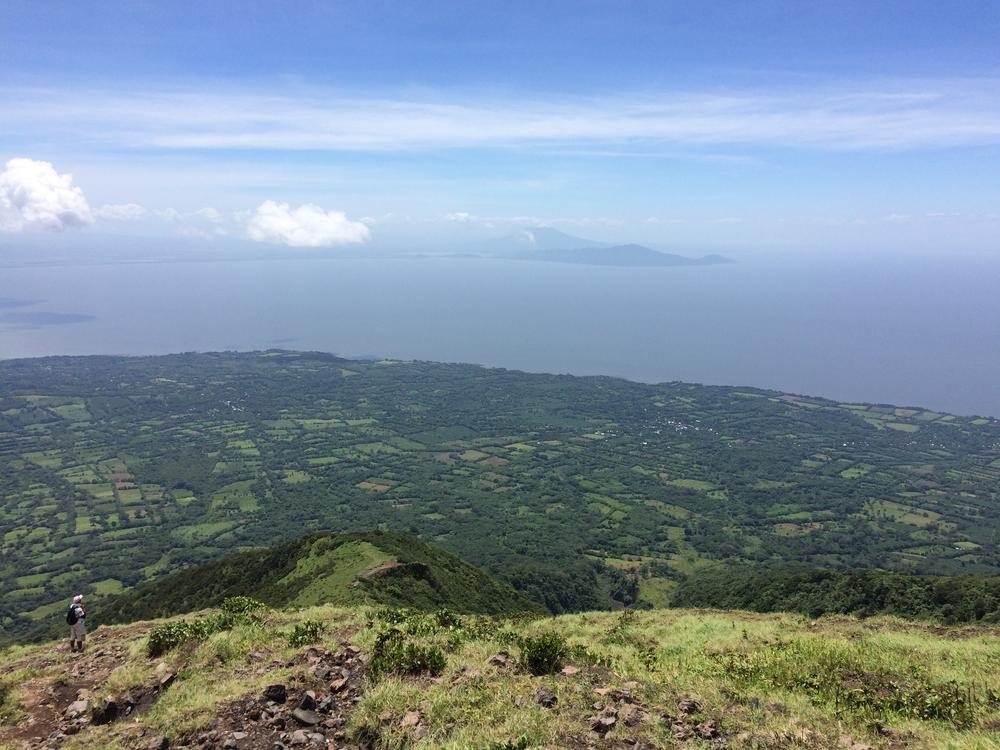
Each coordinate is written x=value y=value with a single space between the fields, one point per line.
x=863 y=125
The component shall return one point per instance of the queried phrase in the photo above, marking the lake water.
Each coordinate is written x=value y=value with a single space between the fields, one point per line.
x=910 y=331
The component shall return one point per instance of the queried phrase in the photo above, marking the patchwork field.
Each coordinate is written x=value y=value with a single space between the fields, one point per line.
x=116 y=469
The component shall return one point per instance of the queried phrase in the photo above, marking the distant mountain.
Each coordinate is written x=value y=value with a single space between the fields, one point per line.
x=538 y=238
x=621 y=255
x=346 y=569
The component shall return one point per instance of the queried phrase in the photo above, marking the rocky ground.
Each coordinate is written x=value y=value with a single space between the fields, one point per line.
x=691 y=681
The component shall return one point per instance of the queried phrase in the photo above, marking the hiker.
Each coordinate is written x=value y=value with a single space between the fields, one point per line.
x=74 y=618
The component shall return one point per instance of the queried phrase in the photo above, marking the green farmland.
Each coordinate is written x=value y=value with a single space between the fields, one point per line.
x=576 y=490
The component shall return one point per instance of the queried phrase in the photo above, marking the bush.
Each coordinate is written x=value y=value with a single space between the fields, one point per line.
x=445 y=618
x=236 y=610
x=306 y=632
x=243 y=606
x=619 y=634
x=543 y=654
x=393 y=654
x=521 y=743
x=163 y=638
x=415 y=622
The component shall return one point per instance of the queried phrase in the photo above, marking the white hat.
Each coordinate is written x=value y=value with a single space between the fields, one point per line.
x=78 y=598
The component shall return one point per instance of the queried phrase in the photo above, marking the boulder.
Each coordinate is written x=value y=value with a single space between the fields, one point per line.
x=276 y=693
x=631 y=715
x=707 y=730
x=105 y=712
x=545 y=697
x=622 y=695
x=604 y=721
x=77 y=708
x=689 y=706
x=500 y=659
x=307 y=717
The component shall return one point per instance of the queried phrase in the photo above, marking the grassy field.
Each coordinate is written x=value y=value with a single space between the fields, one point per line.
x=671 y=679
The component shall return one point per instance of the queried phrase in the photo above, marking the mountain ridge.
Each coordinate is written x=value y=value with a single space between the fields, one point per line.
x=354 y=568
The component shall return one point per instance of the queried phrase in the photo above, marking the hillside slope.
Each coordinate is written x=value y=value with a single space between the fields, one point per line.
x=862 y=593
x=329 y=677
x=347 y=569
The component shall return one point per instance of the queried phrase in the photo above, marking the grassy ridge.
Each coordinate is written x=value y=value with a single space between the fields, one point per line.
x=356 y=568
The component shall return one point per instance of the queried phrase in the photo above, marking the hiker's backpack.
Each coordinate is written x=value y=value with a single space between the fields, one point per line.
x=71 y=618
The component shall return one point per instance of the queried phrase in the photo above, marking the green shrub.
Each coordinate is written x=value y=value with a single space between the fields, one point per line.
x=306 y=632
x=165 y=637
x=243 y=606
x=619 y=634
x=235 y=610
x=445 y=618
x=392 y=615
x=521 y=743
x=394 y=654
x=415 y=622
x=543 y=654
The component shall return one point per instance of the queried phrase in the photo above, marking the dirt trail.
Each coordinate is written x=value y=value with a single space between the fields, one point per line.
x=46 y=697
x=381 y=569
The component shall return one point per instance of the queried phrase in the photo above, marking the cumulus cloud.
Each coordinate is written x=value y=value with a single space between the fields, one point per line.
x=121 y=212
x=305 y=226
x=34 y=196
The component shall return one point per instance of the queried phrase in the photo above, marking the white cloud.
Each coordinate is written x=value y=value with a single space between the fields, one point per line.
x=168 y=214
x=460 y=217
x=34 y=196
x=121 y=212
x=209 y=214
x=305 y=226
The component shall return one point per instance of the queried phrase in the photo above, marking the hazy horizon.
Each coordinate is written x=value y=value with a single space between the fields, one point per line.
x=860 y=329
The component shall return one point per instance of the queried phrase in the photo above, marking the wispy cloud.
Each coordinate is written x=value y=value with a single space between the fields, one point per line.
x=910 y=115
x=121 y=212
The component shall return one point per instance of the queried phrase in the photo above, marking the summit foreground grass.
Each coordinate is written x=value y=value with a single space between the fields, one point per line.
x=391 y=678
